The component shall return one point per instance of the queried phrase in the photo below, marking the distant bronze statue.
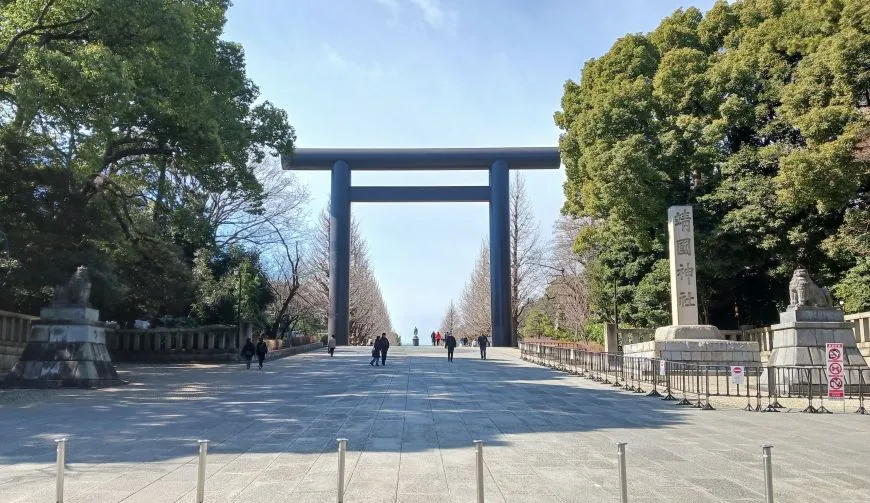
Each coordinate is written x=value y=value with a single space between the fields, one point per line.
x=76 y=292
x=804 y=292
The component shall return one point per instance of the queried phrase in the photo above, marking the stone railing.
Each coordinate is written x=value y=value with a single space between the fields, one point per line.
x=861 y=327
x=14 y=331
x=206 y=343
x=762 y=335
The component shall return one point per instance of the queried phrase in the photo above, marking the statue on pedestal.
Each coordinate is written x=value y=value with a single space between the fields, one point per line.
x=803 y=291
x=76 y=292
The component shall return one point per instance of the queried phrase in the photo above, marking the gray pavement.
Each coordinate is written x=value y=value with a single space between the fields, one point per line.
x=548 y=437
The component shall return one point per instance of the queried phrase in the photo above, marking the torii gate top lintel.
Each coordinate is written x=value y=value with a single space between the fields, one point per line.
x=420 y=159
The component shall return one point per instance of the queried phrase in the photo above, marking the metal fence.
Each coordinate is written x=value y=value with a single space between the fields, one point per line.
x=692 y=384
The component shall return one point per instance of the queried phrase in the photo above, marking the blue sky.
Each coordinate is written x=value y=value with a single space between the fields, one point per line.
x=429 y=73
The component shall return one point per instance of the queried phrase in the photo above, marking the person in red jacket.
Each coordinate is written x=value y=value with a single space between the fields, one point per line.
x=437 y=338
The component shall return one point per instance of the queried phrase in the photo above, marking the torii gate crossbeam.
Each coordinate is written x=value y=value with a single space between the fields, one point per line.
x=498 y=161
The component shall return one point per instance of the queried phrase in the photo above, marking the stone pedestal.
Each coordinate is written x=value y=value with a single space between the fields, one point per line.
x=699 y=344
x=67 y=348
x=799 y=344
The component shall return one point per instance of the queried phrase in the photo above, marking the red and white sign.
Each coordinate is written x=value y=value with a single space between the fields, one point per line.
x=737 y=373
x=836 y=378
x=663 y=367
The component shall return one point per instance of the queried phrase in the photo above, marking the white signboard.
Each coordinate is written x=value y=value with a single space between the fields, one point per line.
x=681 y=248
x=836 y=376
x=737 y=373
x=663 y=367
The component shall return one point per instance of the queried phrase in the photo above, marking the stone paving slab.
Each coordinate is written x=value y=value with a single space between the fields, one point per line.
x=548 y=437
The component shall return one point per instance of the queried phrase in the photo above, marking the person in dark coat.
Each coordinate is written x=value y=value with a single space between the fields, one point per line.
x=482 y=342
x=450 y=344
x=376 y=352
x=262 y=349
x=385 y=345
x=248 y=352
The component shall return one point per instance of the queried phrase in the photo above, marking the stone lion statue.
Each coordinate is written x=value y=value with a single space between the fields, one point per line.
x=76 y=292
x=804 y=292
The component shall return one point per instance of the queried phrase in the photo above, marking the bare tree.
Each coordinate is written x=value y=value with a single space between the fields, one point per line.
x=451 y=318
x=528 y=276
x=368 y=311
x=275 y=218
x=568 y=284
x=474 y=305
x=284 y=285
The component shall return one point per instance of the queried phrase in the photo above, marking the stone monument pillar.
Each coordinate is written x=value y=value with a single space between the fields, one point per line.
x=808 y=323
x=685 y=340
x=681 y=254
x=67 y=346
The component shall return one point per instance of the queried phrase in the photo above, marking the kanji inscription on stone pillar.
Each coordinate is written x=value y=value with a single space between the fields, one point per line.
x=681 y=247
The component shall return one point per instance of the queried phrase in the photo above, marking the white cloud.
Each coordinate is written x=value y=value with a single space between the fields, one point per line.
x=339 y=63
x=334 y=58
x=434 y=14
x=392 y=5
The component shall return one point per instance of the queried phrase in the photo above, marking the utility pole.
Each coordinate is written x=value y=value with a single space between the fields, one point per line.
x=239 y=300
x=616 y=313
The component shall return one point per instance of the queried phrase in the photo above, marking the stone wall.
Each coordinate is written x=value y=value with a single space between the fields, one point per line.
x=697 y=351
x=293 y=350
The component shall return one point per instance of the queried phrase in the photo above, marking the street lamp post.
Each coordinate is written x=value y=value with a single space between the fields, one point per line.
x=239 y=301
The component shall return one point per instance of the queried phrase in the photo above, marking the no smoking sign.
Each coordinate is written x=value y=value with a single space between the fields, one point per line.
x=836 y=380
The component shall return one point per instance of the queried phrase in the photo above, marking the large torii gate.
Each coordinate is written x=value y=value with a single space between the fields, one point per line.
x=499 y=162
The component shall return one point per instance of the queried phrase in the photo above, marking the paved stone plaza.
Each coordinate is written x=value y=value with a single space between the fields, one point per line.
x=548 y=437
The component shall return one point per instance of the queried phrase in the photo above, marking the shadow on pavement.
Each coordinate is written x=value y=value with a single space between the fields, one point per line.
x=301 y=404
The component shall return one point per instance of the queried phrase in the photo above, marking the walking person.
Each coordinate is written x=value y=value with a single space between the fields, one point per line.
x=330 y=345
x=376 y=352
x=248 y=351
x=450 y=344
x=438 y=338
x=385 y=345
x=262 y=349
x=482 y=342
x=433 y=338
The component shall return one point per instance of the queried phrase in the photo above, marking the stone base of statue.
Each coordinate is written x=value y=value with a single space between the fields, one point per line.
x=699 y=344
x=66 y=348
x=799 y=352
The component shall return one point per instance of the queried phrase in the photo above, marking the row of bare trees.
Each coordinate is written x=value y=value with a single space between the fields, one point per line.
x=296 y=252
x=309 y=302
x=548 y=285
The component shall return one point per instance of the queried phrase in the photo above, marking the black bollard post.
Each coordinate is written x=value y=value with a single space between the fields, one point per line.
x=707 y=405
x=668 y=395
x=810 y=409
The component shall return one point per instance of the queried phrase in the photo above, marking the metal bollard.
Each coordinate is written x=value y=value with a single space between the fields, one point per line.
x=768 y=473
x=200 y=471
x=478 y=447
x=342 y=450
x=623 y=479
x=61 y=462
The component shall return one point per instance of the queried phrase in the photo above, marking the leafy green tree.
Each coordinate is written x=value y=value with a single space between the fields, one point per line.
x=231 y=286
x=756 y=114
x=118 y=121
